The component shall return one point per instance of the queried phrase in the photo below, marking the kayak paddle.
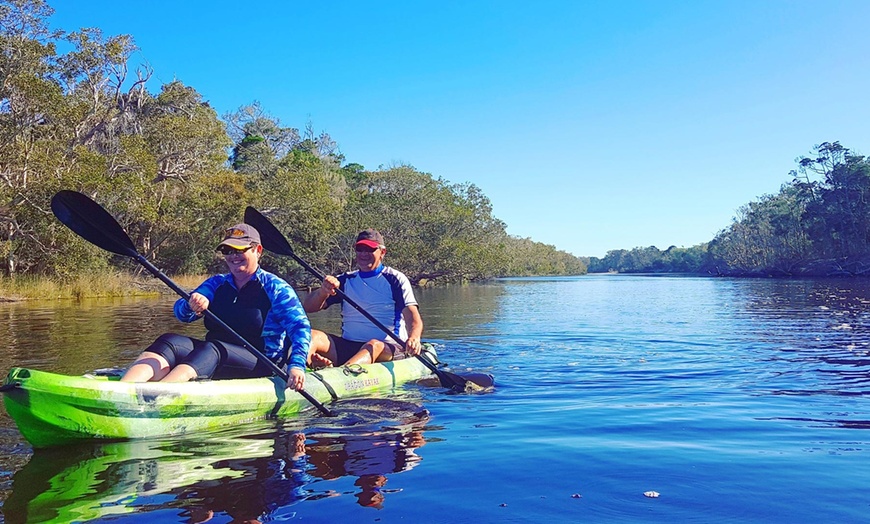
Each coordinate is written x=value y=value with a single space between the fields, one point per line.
x=90 y=221
x=274 y=241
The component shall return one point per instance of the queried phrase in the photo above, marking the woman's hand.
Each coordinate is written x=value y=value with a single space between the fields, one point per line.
x=198 y=303
x=296 y=379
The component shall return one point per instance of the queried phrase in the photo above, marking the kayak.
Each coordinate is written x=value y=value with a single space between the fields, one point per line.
x=52 y=409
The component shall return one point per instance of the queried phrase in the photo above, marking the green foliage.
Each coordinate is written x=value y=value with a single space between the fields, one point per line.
x=651 y=260
x=818 y=224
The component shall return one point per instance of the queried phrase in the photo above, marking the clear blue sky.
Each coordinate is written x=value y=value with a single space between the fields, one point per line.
x=590 y=125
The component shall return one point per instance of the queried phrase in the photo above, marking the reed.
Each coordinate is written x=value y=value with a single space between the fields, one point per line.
x=107 y=284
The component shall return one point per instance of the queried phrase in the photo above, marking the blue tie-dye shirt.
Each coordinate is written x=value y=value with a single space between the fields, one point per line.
x=285 y=317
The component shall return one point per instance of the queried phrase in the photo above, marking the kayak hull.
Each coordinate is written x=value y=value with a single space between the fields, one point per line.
x=52 y=410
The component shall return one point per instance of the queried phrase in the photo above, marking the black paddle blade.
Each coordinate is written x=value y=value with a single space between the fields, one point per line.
x=272 y=239
x=480 y=380
x=90 y=221
x=466 y=383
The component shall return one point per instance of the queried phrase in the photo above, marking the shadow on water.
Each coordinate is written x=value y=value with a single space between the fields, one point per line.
x=258 y=472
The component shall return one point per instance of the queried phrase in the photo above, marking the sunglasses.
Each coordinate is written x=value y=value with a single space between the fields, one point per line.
x=365 y=249
x=227 y=250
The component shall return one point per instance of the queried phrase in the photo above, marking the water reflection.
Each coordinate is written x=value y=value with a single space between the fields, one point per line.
x=460 y=311
x=246 y=476
x=76 y=337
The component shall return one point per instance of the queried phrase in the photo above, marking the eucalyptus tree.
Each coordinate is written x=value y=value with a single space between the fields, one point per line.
x=294 y=179
x=835 y=188
x=259 y=139
x=180 y=175
x=40 y=123
x=74 y=121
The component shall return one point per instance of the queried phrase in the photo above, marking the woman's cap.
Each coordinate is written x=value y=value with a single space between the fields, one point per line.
x=240 y=236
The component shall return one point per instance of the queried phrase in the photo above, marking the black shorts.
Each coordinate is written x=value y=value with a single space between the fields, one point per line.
x=345 y=349
x=210 y=359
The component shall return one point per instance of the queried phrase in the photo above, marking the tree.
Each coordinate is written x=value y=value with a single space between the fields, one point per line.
x=838 y=204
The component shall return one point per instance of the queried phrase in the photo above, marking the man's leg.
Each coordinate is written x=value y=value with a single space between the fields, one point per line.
x=371 y=351
x=322 y=352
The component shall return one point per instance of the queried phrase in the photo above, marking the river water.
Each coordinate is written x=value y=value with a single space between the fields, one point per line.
x=733 y=400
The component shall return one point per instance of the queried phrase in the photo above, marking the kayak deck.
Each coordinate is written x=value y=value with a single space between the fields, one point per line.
x=52 y=409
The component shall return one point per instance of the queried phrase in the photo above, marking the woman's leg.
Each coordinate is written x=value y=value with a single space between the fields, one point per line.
x=201 y=362
x=148 y=366
x=238 y=362
x=180 y=373
x=158 y=359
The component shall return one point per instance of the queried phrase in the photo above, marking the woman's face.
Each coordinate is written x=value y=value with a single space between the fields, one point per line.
x=243 y=262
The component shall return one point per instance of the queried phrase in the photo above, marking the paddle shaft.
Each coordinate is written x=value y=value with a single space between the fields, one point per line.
x=280 y=373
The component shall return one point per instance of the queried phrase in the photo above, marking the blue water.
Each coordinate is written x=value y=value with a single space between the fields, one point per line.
x=734 y=400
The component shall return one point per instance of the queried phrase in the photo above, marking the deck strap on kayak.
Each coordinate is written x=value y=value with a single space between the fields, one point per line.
x=325 y=383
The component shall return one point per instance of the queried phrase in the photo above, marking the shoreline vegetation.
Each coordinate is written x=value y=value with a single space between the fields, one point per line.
x=818 y=225
x=109 y=284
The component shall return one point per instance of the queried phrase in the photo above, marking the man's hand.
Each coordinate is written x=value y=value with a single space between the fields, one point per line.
x=413 y=346
x=330 y=284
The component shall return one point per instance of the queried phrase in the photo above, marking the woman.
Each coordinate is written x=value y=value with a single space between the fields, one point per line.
x=256 y=304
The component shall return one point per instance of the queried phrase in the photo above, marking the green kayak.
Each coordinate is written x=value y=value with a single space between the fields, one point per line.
x=52 y=409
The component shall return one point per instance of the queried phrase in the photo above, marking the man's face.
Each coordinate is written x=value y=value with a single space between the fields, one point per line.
x=369 y=258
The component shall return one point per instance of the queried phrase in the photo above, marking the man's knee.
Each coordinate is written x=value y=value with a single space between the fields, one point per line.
x=319 y=342
x=376 y=349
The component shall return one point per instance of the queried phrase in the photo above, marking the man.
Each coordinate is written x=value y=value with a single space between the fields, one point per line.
x=380 y=290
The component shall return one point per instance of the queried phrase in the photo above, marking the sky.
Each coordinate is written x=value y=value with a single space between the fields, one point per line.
x=590 y=126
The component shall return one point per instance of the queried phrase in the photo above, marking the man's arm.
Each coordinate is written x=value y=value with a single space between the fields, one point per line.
x=316 y=300
x=414 y=321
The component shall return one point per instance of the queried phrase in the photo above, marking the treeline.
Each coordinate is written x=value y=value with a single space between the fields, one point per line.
x=175 y=174
x=651 y=260
x=817 y=225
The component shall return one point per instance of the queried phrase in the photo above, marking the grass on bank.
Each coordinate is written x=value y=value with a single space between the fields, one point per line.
x=109 y=284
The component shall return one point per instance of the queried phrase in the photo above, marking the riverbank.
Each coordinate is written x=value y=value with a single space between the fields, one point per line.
x=110 y=284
